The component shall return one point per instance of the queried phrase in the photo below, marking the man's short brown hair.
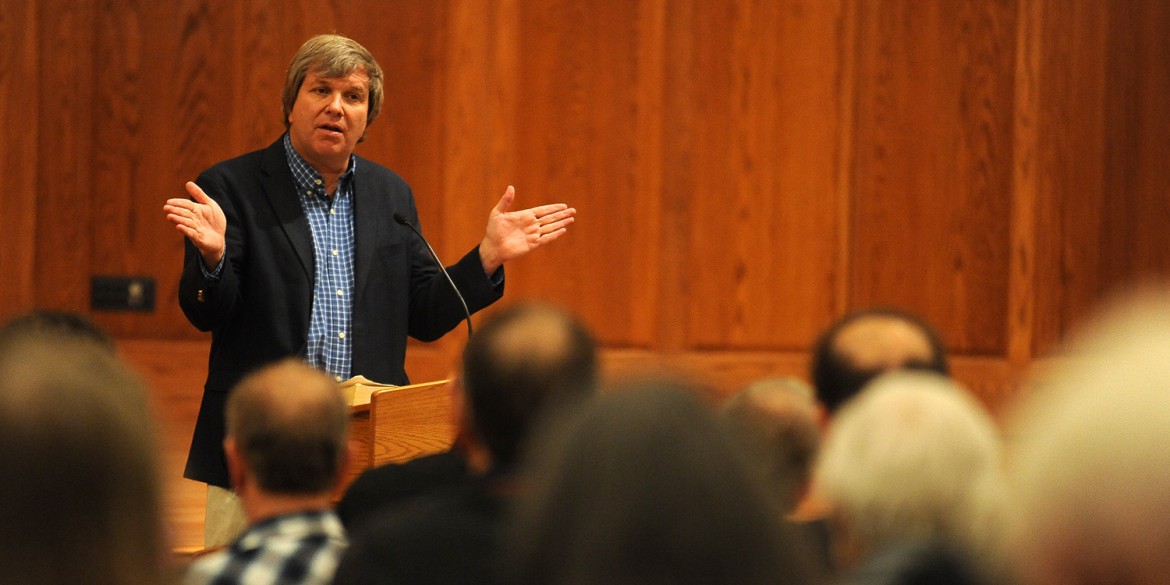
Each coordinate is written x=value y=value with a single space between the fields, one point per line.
x=332 y=55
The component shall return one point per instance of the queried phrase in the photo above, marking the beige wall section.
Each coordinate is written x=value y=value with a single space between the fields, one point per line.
x=745 y=170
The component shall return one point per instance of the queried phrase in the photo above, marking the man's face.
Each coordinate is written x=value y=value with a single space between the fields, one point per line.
x=328 y=118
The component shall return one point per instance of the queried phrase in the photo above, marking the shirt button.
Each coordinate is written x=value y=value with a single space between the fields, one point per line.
x=341 y=335
x=335 y=252
x=318 y=181
x=309 y=192
x=339 y=293
x=332 y=212
x=338 y=378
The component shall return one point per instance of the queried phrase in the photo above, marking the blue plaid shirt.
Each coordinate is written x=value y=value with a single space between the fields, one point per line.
x=302 y=548
x=330 y=346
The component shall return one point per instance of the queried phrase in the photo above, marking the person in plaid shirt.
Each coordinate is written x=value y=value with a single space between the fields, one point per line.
x=286 y=450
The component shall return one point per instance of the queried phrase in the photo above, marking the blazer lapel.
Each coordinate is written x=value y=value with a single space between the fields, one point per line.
x=370 y=211
x=281 y=192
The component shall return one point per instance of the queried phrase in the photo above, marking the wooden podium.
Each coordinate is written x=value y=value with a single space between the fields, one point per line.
x=394 y=424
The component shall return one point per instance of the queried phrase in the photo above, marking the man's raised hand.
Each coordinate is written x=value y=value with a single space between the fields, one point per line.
x=202 y=221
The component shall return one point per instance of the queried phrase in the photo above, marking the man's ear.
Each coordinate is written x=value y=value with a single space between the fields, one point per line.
x=348 y=456
x=235 y=462
x=823 y=418
x=467 y=437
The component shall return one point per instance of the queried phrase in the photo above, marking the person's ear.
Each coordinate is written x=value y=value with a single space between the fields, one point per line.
x=348 y=456
x=235 y=462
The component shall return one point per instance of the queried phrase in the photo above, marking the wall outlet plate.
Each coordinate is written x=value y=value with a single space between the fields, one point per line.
x=121 y=293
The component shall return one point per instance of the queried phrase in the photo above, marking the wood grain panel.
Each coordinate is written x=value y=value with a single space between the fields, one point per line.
x=1135 y=238
x=587 y=132
x=407 y=40
x=470 y=118
x=1026 y=184
x=19 y=112
x=162 y=98
x=1070 y=121
x=64 y=150
x=174 y=372
x=933 y=165
x=768 y=138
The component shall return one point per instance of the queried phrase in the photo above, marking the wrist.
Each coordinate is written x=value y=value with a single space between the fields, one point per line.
x=489 y=256
x=213 y=258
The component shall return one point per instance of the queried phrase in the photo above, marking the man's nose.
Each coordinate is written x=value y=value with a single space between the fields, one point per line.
x=334 y=104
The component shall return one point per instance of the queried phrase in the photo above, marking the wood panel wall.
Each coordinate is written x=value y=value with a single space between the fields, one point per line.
x=745 y=171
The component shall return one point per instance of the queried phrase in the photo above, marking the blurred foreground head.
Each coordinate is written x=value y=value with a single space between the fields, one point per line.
x=913 y=458
x=643 y=486
x=1091 y=458
x=287 y=426
x=79 y=485
x=525 y=361
x=776 y=422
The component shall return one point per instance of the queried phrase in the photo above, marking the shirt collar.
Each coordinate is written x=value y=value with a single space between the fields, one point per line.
x=307 y=177
x=295 y=525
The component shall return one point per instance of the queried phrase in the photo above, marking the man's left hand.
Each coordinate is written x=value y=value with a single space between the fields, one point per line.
x=512 y=234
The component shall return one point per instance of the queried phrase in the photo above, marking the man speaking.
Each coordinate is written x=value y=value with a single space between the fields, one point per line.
x=293 y=250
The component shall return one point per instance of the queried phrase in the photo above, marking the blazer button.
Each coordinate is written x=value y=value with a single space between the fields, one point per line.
x=199 y=296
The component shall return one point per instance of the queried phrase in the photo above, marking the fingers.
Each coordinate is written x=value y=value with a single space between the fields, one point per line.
x=196 y=193
x=555 y=226
x=543 y=210
x=551 y=236
x=506 y=201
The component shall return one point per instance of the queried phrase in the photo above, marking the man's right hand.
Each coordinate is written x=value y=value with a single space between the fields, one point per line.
x=202 y=221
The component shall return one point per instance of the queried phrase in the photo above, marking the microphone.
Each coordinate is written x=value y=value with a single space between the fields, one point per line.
x=467 y=314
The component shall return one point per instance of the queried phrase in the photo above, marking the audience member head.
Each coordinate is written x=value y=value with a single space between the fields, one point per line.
x=51 y=322
x=918 y=563
x=866 y=343
x=523 y=360
x=911 y=458
x=80 y=481
x=286 y=432
x=1089 y=460
x=642 y=486
x=775 y=420
x=331 y=55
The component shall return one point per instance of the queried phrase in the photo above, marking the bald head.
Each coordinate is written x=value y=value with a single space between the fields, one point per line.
x=289 y=422
x=523 y=359
x=775 y=423
x=867 y=343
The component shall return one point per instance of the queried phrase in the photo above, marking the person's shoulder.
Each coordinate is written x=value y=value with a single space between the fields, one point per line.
x=388 y=485
x=248 y=161
x=373 y=170
x=206 y=568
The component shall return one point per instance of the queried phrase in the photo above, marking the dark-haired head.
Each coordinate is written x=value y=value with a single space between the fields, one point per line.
x=642 y=485
x=866 y=343
x=524 y=360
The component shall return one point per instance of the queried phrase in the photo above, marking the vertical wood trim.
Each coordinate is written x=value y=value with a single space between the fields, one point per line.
x=1025 y=183
x=650 y=172
x=678 y=180
x=846 y=142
